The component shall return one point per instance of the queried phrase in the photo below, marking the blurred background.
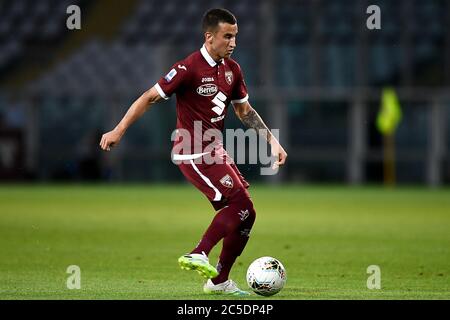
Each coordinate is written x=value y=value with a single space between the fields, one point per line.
x=313 y=68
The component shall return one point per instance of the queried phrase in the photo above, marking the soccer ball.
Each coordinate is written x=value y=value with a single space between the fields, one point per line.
x=266 y=276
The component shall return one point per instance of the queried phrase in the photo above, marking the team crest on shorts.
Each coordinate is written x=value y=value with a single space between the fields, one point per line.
x=229 y=77
x=227 y=181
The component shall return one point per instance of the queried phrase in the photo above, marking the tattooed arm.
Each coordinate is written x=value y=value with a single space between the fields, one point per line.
x=252 y=119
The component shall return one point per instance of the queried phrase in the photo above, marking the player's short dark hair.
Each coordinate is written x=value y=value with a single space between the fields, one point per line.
x=213 y=17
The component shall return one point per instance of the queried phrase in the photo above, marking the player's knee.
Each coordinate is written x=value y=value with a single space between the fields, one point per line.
x=248 y=205
x=248 y=217
x=247 y=211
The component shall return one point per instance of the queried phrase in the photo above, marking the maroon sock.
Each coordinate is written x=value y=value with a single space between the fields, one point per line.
x=233 y=245
x=226 y=221
x=233 y=223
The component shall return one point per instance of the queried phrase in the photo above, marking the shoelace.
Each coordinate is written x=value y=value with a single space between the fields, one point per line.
x=231 y=285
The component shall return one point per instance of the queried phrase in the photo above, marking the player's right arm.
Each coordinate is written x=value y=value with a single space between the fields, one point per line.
x=137 y=109
x=164 y=88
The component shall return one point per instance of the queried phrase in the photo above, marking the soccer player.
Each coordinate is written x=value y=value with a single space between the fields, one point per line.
x=205 y=83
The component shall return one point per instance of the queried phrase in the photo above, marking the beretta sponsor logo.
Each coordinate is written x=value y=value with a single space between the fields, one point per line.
x=208 y=89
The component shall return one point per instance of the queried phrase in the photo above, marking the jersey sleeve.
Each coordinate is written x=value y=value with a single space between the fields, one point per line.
x=172 y=81
x=240 y=94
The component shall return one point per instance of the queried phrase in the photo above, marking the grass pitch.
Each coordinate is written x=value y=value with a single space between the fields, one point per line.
x=126 y=241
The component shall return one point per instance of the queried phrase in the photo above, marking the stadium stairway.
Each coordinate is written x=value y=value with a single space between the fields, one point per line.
x=101 y=19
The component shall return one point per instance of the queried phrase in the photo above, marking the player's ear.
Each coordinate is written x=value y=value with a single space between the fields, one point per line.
x=208 y=37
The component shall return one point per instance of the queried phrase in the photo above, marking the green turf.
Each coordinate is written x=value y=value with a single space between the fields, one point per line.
x=126 y=240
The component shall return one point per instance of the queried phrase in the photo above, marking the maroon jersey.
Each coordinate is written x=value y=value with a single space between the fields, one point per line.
x=204 y=90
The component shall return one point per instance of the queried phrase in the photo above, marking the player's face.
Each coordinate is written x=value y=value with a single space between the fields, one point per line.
x=223 y=41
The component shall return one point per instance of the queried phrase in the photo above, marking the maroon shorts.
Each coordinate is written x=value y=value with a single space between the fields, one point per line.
x=218 y=182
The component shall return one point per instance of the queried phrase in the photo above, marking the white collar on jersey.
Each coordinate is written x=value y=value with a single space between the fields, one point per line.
x=208 y=58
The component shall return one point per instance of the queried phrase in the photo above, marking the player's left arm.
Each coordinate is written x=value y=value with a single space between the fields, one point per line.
x=252 y=119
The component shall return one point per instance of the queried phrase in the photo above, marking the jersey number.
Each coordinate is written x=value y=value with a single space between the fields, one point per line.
x=219 y=101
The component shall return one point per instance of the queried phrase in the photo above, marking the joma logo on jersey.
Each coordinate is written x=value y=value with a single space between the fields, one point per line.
x=207 y=79
x=207 y=90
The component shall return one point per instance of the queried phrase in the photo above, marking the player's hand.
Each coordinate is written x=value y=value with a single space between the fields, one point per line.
x=279 y=153
x=110 y=140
